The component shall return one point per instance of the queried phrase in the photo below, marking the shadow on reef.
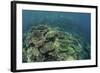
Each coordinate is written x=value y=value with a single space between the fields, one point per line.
x=44 y=43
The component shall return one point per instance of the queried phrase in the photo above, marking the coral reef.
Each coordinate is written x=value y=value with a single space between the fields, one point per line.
x=44 y=43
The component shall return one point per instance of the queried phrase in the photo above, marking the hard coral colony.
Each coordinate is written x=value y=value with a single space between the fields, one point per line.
x=44 y=43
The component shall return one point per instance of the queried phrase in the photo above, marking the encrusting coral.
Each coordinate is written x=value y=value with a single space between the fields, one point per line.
x=44 y=43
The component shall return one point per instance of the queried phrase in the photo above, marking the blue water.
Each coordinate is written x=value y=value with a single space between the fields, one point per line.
x=76 y=23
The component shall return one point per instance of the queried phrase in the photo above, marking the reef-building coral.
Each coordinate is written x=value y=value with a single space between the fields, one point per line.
x=44 y=43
